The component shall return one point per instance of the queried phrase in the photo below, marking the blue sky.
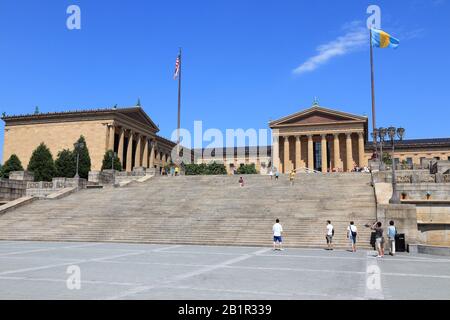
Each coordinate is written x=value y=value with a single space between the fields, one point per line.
x=239 y=61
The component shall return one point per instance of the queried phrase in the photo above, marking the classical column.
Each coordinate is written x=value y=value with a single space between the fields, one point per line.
x=112 y=130
x=276 y=153
x=121 y=144
x=361 y=148
x=298 y=152
x=310 y=152
x=336 y=151
x=348 y=143
x=145 y=155
x=152 y=154
x=286 y=166
x=137 y=155
x=130 y=152
x=324 y=153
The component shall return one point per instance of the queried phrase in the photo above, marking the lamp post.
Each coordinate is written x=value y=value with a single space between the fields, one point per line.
x=113 y=155
x=77 y=146
x=382 y=132
x=375 y=137
x=392 y=132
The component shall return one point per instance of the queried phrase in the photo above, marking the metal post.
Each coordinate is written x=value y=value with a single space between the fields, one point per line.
x=395 y=198
x=78 y=160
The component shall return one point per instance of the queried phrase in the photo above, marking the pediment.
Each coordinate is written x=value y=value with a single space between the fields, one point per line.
x=317 y=115
x=138 y=115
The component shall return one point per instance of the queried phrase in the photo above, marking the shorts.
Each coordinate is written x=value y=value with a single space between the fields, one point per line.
x=352 y=240
x=329 y=239
x=277 y=239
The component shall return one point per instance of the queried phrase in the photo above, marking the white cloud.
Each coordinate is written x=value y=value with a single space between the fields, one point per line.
x=356 y=37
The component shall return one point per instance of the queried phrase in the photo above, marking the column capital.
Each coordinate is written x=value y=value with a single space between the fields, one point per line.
x=361 y=134
x=348 y=134
x=309 y=136
x=336 y=135
x=297 y=137
x=323 y=135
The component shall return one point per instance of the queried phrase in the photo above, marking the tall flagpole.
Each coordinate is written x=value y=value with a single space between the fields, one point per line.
x=179 y=107
x=373 y=96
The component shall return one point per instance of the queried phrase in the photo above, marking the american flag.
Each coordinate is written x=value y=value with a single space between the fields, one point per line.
x=177 y=67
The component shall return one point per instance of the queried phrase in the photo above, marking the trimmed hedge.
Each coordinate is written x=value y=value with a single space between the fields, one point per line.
x=205 y=169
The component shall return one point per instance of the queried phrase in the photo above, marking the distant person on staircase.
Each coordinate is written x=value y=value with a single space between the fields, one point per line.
x=177 y=171
x=271 y=174
x=330 y=234
x=241 y=182
x=277 y=175
x=291 y=177
x=277 y=229
x=352 y=232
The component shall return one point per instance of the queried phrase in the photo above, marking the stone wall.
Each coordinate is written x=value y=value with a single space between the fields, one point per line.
x=42 y=189
x=12 y=189
x=107 y=176
x=404 y=217
x=21 y=175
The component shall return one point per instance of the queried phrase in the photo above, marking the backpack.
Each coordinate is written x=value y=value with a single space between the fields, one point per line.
x=353 y=233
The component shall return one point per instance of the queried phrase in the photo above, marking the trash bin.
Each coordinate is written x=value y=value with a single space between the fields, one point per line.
x=372 y=240
x=400 y=243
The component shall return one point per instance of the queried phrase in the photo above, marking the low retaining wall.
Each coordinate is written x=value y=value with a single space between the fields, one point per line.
x=404 y=217
x=119 y=177
x=42 y=189
x=425 y=249
x=12 y=189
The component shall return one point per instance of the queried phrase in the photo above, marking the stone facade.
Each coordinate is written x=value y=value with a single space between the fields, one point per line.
x=128 y=131
x=327 y=140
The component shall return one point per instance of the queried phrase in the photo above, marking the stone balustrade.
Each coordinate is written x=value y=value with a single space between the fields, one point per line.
x=42 y=189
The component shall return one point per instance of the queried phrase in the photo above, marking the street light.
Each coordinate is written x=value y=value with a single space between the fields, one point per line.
x=78 y=146
x=382 y=132
x=393 y=132
x=375 y=137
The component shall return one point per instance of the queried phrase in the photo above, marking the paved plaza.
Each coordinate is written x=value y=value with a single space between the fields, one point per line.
x=40 y=270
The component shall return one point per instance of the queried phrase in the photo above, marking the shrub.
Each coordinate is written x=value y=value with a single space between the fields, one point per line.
x=41 y=164
x=84 y=165
x=65 y=164
x=12 y=164
x=205 y=169
x=107 y=161
x=247 y=169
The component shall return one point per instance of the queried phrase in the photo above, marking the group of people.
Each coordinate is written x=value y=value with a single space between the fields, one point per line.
x=352 y=233
x=173 y=171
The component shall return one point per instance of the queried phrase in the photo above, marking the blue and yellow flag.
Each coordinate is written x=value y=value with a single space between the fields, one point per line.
x=382 y=39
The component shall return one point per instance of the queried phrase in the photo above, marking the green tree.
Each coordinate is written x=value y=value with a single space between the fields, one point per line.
x=84 y=165
x=107 y=161
x=42 y=164
x=12 y=164
x=65 y=164
x=205 y=169
x=247 y=169
x=387 y=158
x=216 y=169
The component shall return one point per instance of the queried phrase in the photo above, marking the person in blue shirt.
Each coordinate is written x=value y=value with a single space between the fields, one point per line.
x=392 y=231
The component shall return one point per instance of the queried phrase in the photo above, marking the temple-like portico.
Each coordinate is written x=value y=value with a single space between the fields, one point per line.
x=129 y=132
x=319 y=139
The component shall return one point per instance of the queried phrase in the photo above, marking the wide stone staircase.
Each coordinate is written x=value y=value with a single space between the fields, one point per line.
x=211 y=210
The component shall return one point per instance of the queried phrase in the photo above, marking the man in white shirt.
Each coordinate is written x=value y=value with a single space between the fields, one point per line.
x=330 y=233
x=351 y=235
x=277 y=229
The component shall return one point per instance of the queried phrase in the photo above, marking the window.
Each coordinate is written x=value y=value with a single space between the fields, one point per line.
x=437 y=158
